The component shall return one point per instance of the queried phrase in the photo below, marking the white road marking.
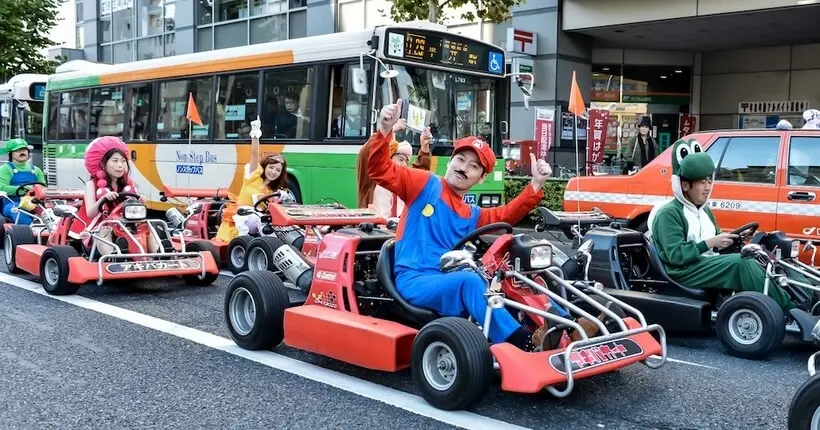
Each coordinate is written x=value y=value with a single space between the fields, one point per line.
x=390 y=396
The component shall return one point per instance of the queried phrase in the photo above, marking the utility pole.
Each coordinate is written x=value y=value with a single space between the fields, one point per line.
x=433 y=5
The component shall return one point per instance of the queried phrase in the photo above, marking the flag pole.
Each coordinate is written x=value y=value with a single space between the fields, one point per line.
x=190 y=130
x=577 y=172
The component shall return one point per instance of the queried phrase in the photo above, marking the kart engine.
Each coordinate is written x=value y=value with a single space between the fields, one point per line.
x=290 y=261
x=289 y=235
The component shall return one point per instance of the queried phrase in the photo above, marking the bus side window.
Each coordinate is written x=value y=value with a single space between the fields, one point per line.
x=348 y=110
x=53 y=116
x=107 y=112
x=173 y=108
x=139 y=123
x=286 y=110
x=74 y=115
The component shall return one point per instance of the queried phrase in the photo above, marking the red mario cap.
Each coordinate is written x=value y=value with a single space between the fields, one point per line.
x=482 y=148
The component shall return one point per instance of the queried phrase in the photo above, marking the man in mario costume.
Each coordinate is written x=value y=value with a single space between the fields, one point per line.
x=435 y=218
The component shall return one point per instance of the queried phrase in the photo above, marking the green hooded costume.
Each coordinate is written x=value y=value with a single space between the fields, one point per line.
x=680 y=229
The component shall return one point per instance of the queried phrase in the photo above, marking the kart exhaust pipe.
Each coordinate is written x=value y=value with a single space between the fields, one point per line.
x=174 y=217
x=290 y=261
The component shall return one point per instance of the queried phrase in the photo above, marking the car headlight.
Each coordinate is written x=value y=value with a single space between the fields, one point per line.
x=540 y=257
x=134 y=212
x=795 y=248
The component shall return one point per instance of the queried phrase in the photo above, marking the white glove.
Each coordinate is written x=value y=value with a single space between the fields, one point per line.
x=256 y=128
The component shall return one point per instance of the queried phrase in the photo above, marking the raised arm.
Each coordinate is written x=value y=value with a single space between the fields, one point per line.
x=405 y=182
x=519 y=207
x=423 y=159
x=256 y=133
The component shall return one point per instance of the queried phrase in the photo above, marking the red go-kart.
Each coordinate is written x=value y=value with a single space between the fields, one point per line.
x=44 y=222
x=64 y=264
x=353 y=313
x=202 y=217
x=804 y=411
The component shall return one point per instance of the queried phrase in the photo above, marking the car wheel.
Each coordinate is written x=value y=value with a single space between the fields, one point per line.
x=259 y=254
x=200 y=246
x=804 y=412
x=452 y=365
x=254 y=309
x=750 y=325
x=16 y=235
x=237 y=250
x=54 y=265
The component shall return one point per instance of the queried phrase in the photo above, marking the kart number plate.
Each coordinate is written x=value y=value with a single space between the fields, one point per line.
x=152 y=266
x=596 y=355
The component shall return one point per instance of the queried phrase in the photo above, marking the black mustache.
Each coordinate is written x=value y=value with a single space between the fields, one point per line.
x=461 y=172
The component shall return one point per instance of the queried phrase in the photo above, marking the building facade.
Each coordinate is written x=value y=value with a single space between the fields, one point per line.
x=727 y=64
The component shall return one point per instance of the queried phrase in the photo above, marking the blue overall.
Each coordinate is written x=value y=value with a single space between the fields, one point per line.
x=431 y=228
x=18 y=178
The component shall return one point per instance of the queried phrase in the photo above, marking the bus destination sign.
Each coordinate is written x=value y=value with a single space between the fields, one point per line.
x=444 y=50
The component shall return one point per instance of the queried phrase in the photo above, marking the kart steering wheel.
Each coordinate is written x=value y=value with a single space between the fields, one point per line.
x=120 y=198
x=475 y=235
x=264 y=199
x=743 y=232
x=25 y=191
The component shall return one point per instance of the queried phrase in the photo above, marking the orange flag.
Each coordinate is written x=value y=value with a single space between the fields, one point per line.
x=193 y=113
x=576 y=101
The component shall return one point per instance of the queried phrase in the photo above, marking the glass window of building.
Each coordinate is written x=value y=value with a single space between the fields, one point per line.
x=140 y=26
x=229 y=23
x=635 y=95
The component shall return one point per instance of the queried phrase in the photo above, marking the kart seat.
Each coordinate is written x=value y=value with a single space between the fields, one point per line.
x=384 y=271
x=657 y=264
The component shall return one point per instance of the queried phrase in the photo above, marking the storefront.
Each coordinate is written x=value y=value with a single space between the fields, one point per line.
x=658 y=94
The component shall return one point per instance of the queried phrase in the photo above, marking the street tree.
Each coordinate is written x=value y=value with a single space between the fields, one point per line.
x=24 y=27
x=432 y=10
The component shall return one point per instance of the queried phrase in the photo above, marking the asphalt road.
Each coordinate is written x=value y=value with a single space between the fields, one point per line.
x=158 y=354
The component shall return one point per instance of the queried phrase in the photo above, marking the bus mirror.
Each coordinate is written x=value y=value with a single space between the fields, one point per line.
x=360 y=81
x=525 y=87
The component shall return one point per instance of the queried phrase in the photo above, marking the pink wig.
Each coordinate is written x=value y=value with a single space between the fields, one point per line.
x=94 y=153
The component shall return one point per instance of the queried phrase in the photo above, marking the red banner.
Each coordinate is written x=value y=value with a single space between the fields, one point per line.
x=544 y=121
x=687 y=124
x=596 y=136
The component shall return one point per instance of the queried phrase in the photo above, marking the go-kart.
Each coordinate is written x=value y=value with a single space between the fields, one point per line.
x=354 y=313
x=748 y=324
x=43 y=219
x=804 y=411
x=64 y=263
x=200 y=216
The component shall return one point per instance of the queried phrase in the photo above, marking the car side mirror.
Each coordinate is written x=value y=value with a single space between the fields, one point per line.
x=65 y=211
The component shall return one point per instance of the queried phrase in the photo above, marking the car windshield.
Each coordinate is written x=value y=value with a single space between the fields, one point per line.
x=453 y=105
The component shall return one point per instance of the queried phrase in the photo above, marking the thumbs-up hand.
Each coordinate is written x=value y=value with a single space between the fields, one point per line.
x=541 y=170
x=389 y=116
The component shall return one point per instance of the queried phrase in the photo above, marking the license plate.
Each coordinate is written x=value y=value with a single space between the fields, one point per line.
x=596 y=355
x=469 y=199
x=152 y=266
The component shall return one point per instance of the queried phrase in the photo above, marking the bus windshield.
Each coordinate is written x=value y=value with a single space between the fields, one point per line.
x=30 y=114
x=455 y=105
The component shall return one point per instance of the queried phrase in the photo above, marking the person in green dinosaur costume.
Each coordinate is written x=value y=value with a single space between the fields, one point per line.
x=687 y=236
x=19 y=170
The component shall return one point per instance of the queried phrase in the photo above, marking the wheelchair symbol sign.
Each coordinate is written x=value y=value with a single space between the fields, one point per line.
x=496 y=63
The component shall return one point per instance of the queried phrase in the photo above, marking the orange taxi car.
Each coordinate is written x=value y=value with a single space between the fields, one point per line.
x=767 y=176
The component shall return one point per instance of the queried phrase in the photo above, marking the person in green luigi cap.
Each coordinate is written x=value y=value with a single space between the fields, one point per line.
x=687 y=236
x=16 y=172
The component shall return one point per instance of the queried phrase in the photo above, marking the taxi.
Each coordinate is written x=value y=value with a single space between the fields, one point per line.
x=767 y=176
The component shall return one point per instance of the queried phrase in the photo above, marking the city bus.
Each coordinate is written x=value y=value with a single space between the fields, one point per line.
x=21 y=111
x=317 y=99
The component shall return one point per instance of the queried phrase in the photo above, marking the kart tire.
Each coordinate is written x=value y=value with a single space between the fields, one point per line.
x=259 y=253
x=237 y=250
x=3 y=221
x=265 y=294
x=461 y=347
x=209 y=278
x=54 y=266
x=805 y=404
x=754 y=311
x=15 y=236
